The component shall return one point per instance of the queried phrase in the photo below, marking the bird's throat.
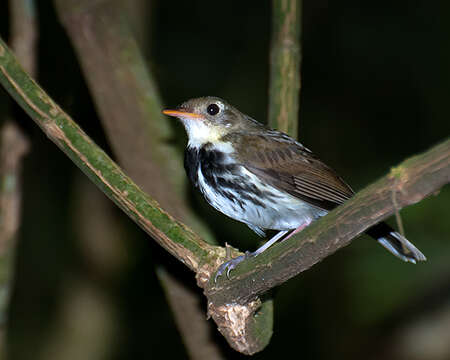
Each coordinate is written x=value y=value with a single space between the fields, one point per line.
x=200 y=133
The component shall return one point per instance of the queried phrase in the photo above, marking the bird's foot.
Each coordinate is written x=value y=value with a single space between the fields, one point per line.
x=229 y=265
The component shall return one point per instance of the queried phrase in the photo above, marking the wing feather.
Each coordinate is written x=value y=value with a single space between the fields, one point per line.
x=288 y=166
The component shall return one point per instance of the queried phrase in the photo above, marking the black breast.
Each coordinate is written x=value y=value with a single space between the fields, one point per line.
x=222 y=175
x=211 y=162
x=191 y=164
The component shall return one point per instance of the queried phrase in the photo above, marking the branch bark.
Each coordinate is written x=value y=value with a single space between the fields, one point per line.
x=171 y=234
x=24 y=33
x=285 y=58
x=410 y=182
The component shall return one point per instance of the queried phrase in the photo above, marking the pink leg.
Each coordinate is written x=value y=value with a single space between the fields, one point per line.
x=231 y=264
x=300 y=228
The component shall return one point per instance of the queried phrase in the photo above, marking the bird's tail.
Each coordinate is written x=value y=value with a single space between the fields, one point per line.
x=395 y=243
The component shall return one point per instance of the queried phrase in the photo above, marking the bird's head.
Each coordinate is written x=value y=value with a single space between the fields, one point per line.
x=208 y=119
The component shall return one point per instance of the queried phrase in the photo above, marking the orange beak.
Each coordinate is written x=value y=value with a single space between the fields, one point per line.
x=179 y=113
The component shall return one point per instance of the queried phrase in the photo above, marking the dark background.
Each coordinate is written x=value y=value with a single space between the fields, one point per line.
x=375 y=90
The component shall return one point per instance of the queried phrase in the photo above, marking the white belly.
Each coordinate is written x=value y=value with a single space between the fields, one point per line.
x=274 y=209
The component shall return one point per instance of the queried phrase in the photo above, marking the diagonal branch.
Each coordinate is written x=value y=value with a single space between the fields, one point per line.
x=412 y=181
x=171 y=234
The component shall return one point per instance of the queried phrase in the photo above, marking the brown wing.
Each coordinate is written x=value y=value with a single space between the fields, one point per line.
x=288 y=166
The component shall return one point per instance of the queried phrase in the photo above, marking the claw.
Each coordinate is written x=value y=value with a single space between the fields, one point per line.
x=226 y=267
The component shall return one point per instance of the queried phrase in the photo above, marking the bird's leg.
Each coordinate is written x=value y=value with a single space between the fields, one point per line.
x=268 y=243
x=231 y=264
x=300 y=228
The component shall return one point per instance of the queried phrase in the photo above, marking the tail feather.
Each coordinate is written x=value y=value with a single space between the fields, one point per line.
x=395 y=243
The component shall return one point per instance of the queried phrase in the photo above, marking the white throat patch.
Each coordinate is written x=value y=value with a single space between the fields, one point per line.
x=199 y=133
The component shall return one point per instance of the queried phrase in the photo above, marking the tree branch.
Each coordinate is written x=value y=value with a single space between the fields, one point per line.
x=171 y=234
x=410 y=182
x=285 y=57
x=24 y=33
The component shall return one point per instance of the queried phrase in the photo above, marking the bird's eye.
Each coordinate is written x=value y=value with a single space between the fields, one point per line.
x=213 y=109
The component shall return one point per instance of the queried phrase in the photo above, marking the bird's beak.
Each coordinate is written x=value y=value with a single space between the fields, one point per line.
x=182 y=114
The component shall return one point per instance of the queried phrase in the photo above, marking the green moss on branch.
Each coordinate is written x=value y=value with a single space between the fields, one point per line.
x=174 y=236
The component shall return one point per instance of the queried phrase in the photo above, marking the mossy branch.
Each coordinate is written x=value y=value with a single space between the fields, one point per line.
x=171 y=234
x=410 y=182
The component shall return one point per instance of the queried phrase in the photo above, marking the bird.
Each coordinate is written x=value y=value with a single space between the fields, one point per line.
x=263 y=177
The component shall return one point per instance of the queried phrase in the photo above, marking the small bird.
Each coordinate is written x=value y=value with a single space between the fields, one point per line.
x=263 y=177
